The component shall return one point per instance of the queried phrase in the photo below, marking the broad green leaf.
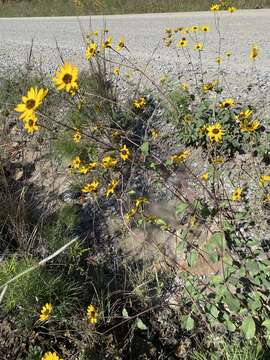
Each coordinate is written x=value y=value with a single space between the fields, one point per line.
x=145 y=148
x=189 y=323
x=232 y=302
x=230 y=326
x=266 y=324
x=140 y=324
x=181 y=208
x=192 y=257
x=214 y=311
x=125 y=313
x=248 y=328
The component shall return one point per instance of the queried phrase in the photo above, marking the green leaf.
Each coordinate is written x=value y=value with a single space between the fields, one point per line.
x=140 y=324
x=214 y=311
x=266 y=324
x=189 y=323
x=248 y=328
x=216 y=240
x=192 y=257
x=125 y=313
x=232 y=302
x=181 y=208
x=145 y=148
x=230 y=326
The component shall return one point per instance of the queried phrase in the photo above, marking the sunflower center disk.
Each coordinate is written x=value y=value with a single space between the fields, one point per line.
x=30 y=104
x=67 y=78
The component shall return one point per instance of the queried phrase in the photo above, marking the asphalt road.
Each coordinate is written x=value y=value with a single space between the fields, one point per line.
x=142 y=32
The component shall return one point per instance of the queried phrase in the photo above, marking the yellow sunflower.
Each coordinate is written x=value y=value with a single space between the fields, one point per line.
x=111 y=188
x=180 y=157
x=66 y=78
x=31 y=102
x=254 y=52
x=90 y=187
x=194 y=28
x=108 y=162
x=264 y=179
x=92 y=314
x=130 y=214
x=232 y=9
x=218 y=60
x=107 y=43
x=77 y=136
x=249 y=126
x=76 y=162
x=215 y=132
x=236 y=195
x=205 y=28
x=116 y=71
x=198 y=46
x=124 y=152
x=182 y=43
x=215 y=7
x=205 y=176
x=30 y=125
x=50 y=356
x=45 y=312
x=91 y=51
x=208 y=86
x=121 y=44
x=139 y=103
x=227 y=103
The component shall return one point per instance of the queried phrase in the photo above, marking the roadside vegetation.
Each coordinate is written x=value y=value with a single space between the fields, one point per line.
x=100 y=7
x=135 y=223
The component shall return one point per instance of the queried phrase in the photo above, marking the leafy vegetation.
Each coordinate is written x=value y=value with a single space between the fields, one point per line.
x=154 y=243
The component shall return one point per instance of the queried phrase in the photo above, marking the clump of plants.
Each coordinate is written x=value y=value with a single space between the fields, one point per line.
x=122 y=156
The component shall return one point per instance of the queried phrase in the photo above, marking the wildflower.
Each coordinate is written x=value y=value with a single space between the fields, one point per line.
x=31 y=102
x=236 y=195
x=107 y=43
x=140 y=201
x=215 y=132
x=83 y=169
x=92 y=314
x=90 y=187
x=198 y=46
x=50 y=356
x=205 y=176
x=182 y=43
x=168 y=31
x=77 y=136
x=254 y=52
x=66 y=78
x=232 y=9
x=163 y=79
x=130 y=214
x=208 y=86
x=180 y=157
x=121 y=44
x=116 y=71
x=228 y=54
x=154 y=133
x=111 y=188
x=184 y=86
x=244 y=115
x=185 y=31
x=77 y=2
x=124 y=152
x=92 y=166
x=188 y=118
x=205 y=28
x=91 y=51
x=108 y=162
x=45 y=312
x=31 y=125
x=76 y=162
x=227 y=103
x=218 y=60
x=95 y=33
x=195 y=28
x=203 y=130
x=215 y=7
x=264 y=179
x=266 y=199
x=249 y=126
x=139 y=103
x=218 y=160
x=168 y=42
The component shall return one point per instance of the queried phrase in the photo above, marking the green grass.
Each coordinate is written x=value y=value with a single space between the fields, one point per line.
x=11 y=8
